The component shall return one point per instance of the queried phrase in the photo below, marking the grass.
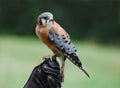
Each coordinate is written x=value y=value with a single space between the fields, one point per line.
x=19 y=55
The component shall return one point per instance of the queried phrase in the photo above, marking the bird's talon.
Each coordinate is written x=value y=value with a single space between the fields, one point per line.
x=46 y=57
x=49 y=57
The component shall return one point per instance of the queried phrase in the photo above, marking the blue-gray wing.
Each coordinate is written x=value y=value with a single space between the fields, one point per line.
x=65 y=46
x=63 y=43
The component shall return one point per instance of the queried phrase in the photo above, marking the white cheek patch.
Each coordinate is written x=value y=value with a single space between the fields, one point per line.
x=46 y=22
x=49 y=22
x=43 y=22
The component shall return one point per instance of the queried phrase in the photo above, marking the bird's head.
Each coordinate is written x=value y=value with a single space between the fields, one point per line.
x=45 y=19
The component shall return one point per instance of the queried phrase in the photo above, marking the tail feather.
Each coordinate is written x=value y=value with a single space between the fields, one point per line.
x=76 y=61
x=85 y=72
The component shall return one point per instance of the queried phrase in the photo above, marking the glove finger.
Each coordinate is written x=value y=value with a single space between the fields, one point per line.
x=53 y=83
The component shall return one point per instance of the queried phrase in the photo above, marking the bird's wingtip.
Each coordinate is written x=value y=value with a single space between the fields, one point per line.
x=85 y=72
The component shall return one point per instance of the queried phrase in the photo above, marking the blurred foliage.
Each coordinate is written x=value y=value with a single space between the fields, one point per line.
x=83 y=19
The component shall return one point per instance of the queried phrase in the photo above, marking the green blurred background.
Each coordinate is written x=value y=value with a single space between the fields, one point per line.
x=94 y=27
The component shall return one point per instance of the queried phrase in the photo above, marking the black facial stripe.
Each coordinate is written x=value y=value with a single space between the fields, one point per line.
x=41 y=21
x=45 y=21
x=52 y=20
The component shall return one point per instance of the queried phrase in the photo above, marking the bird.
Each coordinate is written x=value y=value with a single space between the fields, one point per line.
x=57 y=40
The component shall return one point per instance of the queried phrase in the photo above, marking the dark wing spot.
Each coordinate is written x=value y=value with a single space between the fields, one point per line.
x=69 y=43
x=68 y=36
x=66 y=41
x=59 y=42
x=58 y=38
x=75 y=50
x=68 y=48
x=64 y=37
x=73 y=46
x=61 y=47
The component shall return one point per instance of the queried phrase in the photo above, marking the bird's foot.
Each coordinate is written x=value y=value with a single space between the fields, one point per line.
x=49 y=57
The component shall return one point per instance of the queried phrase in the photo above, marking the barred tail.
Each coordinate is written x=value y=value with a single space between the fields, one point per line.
x=76 y=61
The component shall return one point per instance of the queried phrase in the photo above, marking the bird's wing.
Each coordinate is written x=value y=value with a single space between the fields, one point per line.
x=63 y=43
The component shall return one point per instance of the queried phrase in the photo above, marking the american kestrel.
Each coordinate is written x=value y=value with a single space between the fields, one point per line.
x=58 y=40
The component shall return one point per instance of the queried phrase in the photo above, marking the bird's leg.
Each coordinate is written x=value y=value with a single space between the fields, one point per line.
x=62 y=69
x=49 y=57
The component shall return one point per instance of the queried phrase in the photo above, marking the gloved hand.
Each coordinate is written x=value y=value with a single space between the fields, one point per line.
x=45 y=75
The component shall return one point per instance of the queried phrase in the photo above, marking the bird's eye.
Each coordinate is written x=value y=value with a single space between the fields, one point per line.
x=45 y=17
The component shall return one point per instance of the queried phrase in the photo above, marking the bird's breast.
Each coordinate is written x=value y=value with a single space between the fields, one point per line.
x=43 y=34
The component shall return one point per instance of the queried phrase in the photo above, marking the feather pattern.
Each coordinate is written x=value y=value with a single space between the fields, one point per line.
x=65 y=45
x=57 y=39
